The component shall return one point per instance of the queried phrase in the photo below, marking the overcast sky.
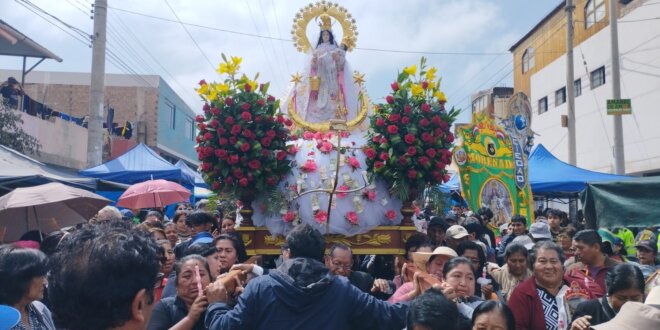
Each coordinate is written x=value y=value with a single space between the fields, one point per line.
x=485 y=29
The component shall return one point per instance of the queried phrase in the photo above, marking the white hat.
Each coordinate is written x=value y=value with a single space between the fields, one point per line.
x=633 y=315
x=457 y=232
x=653 y=299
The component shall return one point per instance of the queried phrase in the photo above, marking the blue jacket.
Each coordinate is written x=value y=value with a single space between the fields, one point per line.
x=301 y=294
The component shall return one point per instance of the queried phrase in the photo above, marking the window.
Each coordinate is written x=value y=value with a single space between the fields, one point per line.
x=171 y=114
x=480 y=104
x=528 y=59
x=594 y=12
x=598 y=77
x=543 y=105
x=190 y=129
x=560 y=96
x=577 y=87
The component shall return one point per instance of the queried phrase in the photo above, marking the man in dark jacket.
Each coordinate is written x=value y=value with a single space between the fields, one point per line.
x=301 y=294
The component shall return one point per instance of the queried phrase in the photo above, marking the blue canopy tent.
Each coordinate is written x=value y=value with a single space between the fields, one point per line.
x=191 y=175
x=138 y=164
x=550 y=177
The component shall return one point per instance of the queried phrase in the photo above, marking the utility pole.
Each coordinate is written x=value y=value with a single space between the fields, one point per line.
x=95 y=125
x=619 y=156
x=570 y=84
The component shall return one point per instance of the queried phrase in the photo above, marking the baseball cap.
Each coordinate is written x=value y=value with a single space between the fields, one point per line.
x=524 y=240
x=457 y=232
x=203 y=238
x=9 y=317
x=451 y=217
x=540 y=230
x=127 y=214
x=647 y=244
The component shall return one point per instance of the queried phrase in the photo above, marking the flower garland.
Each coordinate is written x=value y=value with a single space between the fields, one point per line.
x=242 y=141
x=410 y=139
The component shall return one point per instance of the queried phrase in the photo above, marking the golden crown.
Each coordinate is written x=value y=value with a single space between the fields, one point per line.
x=325 y=22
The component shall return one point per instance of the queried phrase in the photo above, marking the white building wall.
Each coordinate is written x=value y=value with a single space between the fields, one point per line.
x=639 y=47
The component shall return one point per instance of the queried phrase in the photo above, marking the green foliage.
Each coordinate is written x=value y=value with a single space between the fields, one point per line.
x=242 y=137
x=410 y=140
x=12 y=134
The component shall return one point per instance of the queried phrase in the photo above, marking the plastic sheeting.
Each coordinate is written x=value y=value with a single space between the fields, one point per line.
x=633 y=202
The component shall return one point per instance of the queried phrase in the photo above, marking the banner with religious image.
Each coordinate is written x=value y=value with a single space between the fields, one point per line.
x=490 y=175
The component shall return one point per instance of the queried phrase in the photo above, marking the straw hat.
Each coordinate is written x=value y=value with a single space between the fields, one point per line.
x=633 y=316
x=653 y=299
x=422 y=258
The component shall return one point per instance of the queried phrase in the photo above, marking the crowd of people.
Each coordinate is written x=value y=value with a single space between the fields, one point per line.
x=137 y=269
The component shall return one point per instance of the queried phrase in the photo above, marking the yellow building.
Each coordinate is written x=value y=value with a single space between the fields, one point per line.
x=547 y=40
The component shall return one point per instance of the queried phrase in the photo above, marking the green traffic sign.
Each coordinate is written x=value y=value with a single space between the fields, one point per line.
x=619 y=107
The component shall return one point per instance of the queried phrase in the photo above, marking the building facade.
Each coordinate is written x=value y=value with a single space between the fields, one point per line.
x=157 y=116
x=492 y=101
x=540 y=72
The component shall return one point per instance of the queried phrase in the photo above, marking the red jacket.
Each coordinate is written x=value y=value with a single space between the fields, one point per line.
x=526 y=305
x=596 y=285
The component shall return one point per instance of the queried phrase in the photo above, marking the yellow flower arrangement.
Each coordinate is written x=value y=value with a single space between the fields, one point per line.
x=411 y=70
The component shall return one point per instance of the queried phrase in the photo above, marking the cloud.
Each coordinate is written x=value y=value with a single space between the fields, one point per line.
x=449 y=26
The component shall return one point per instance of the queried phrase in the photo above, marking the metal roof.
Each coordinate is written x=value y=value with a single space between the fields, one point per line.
x=15 y=43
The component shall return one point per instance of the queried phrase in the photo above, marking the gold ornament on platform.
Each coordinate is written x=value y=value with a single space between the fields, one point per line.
x=323 y=11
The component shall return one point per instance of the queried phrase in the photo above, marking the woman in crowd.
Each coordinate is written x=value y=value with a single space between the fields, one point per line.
x=182 y=229
x=157 y=233
x=183 y=207
x=417 y=242
x=544 y=291
x=208 y=251
x=624 y=283
x=459 y=285
x=22 y=283
x=493 y=315
x=171 y=233
x=165 y=266
x=514 y=271
x=565 y=240
x=431 y=263
x=485 y=286
x=188 y=308
x=228 y=223
x=232 y=255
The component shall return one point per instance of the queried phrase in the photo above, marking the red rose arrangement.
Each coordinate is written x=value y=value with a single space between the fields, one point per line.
x=242 y=141
x=410 y=139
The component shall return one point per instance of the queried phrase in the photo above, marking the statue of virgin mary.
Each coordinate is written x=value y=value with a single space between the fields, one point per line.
x=327 y=159
x=323 y=94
